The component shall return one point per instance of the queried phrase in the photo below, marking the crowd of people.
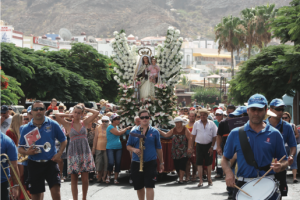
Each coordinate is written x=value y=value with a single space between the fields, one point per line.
x=87 y=143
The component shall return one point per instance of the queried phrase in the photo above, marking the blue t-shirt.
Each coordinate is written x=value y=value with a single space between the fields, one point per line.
x=288 y=133
x=9 y=148
x=49 y=131
x=266 y=145
x=113 y=141
x=152 y=142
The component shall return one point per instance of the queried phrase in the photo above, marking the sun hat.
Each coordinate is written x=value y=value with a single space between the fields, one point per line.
x=178 y=119
x=277 y=102
x=257 y=101
x=61 y=104
x=113 y=116
x=219 y=111
x=204 y=110
x=239 y=111
x=105 y=118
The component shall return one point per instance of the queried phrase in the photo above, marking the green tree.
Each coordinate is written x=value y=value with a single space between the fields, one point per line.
x=84 y=60
x=286 y=25
x=255 y=22
x=214 y=80
x=268 y=73
x=40 y=78
x=228 y=34
x=206 y=95
x=10 y=90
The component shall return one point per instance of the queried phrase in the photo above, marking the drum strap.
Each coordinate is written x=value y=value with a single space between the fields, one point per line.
x=247 y=151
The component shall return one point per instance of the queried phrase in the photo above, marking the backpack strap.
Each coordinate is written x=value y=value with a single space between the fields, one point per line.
x=246 y=148
x=247 y=151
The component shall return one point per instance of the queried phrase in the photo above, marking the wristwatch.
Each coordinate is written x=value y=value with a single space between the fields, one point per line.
x=162 y=163
x=292 y=156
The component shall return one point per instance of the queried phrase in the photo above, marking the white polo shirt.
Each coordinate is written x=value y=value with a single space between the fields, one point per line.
x=204 y=135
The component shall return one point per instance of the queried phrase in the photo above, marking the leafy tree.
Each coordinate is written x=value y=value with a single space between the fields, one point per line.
x=40 y=78
x=10 y=90
x=268 y=73
x=206 y=95
x=255 y=22
x=229 y=33
x=214 y=80
x=84 y=60
x=286 y=25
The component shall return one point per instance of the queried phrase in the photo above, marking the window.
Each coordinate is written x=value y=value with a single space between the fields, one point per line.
x=106 y=53
x=188 y=59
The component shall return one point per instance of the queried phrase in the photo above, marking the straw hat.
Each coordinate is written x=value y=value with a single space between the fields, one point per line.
x=204 y=110
x=61 y=104
x=178 y=119
x=102 y=102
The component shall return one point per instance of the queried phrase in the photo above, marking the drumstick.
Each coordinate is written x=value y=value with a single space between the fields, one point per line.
x=268 y=171
x=242 y=191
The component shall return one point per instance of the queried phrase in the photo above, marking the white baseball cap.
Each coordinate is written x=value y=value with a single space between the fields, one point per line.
x=219 y=111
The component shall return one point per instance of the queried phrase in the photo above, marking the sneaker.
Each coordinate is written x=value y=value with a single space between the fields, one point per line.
x=62 y=180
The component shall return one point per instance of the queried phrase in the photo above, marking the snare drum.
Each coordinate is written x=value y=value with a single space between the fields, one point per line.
x=265 y=189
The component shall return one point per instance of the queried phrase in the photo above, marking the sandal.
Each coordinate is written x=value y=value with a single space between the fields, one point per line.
x=218 y=176
x=295 y=181
x=210 y=183
x=116 y=181
x=200 y=185
x=180 y=182
x=107 y=180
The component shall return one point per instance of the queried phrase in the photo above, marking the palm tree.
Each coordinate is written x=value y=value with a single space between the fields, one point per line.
x=255 y=22
x=229 y=33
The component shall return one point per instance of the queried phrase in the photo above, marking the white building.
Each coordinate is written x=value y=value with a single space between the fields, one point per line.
x=8 y=34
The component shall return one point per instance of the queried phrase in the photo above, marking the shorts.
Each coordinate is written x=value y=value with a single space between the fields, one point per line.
x=180 y=164
x=101 y=160
x=202 y=154
x=145 y=179
x=4 y=190
x=38 y=172
x=283 y=187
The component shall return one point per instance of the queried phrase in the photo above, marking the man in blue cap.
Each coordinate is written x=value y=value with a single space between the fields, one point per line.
x=265 y=141
x=286 y=130
x=241 y=111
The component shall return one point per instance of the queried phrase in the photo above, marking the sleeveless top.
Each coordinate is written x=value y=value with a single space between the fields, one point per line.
x=101 y=140
x=179 y=144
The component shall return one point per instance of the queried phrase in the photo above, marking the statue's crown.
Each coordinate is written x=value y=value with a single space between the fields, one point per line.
x=145 y=52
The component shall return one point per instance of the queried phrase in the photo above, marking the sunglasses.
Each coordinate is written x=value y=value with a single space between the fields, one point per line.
x=118 y=118
x=144 y=117
x=219 y=115
x=38 y=109
x=285 y=118
x=256 y=109
x=279 y=109
x=26 y=119
x=60 y=107
x=107 y=121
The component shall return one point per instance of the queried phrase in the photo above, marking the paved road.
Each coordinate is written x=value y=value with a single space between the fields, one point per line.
x=165 y=189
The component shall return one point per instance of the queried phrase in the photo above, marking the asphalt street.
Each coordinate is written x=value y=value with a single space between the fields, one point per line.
x=166 y=188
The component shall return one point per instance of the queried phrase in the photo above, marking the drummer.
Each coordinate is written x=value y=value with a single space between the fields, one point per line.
x=265 y=141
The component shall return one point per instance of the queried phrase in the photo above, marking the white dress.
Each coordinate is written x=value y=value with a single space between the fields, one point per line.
x=147 y=89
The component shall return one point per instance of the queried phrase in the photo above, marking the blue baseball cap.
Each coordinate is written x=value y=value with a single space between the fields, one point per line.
x=277 y=102
x=257 y=101
x=4 y=109
x=29 y=109
x=239 y=111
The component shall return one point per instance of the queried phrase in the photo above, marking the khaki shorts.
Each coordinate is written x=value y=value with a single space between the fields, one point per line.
x=101 y=160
